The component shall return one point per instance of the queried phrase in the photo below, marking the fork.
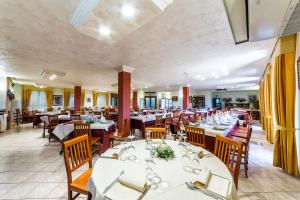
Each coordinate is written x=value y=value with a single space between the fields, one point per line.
x=204 y=191
x=113 y=182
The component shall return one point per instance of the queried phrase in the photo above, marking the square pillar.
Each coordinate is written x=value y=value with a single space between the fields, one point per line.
x=124 y=90
x=185 y=98
x=77 y=98
x=135 y=100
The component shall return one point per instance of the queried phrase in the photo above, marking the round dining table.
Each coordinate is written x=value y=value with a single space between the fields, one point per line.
x=172 y=175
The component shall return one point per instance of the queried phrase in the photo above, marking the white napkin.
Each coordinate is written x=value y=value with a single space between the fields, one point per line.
x=219 y=185
x=128 y=187
x=102 y=118
x=203 y=177
x=119 y=192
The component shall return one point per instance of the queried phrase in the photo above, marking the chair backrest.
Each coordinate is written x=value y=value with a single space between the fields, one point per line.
x=230 y=152
x=168 y=119
x=185 y=120
x=75 y=117
x=158 y=120
x=192 y=118
x=82 y=129
x=53 y=120
x=76 y=154
x=157 y=133
x=49 y=109
x=122 y=132
x=195 y=136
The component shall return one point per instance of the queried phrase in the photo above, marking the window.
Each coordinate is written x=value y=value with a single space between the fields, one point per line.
x=71 y=102
x=38 y=100
x=101 y=100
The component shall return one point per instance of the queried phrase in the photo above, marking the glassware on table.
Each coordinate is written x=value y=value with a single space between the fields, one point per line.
x=180 y=138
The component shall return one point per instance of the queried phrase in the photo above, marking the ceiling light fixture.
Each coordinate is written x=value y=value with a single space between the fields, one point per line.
x=52 y=77
x=105 y=30
x=128 y=10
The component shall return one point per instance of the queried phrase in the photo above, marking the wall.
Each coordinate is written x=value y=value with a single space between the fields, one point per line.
x=17 y=102
x=235 y=94
x=88 y=94
x=3 y=90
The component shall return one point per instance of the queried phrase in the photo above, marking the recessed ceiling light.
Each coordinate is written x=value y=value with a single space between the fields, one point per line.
x=105 y=31
x=189 y=85
x=52 y=77
x=128 y=10
x=146 y=86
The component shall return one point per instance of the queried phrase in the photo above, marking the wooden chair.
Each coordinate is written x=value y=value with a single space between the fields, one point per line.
x=168 y=122
x=245 y=148
x=75 y=117
x=157 y=133
x=49 y=109
x=230 y=153
x=118 y=136
x=158 y=121
x=197 y=116
x=18 y=116
x=195 y=136
x=77 y=153
x=185 y=120
x=53 y=122
x=25 y=114
x=85 y=129
x=192 y=118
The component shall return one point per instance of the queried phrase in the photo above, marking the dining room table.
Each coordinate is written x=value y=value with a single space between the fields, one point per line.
x=98 y=129
x=137 y=173
x=141 y=122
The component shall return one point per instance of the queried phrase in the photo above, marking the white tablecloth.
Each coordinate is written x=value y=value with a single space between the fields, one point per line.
x=60 y=117
x=171 y=173
x=63 y=130
x=147 y=118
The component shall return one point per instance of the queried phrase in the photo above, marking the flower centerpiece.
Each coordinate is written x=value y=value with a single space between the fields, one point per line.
x=164 y=151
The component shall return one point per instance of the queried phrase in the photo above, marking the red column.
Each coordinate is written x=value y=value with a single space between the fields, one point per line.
x=77 y=98
x=135 y=101
x=124 y=80
x=185 y=98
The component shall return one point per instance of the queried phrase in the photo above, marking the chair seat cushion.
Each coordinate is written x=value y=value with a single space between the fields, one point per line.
x=80 y=183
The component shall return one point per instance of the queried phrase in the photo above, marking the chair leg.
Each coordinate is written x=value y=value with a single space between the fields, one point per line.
x=70 y=195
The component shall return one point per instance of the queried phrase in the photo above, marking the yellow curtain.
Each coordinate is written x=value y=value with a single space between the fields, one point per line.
x=82 y=98
x=262 y=104
x=67 y=96
x=26 y=97
x=285 y=152
x=95 y=96
x=107 y=99
x=49 y=93
x=268 y=105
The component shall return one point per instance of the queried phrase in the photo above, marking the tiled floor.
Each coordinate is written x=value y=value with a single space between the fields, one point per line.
x=32 y=169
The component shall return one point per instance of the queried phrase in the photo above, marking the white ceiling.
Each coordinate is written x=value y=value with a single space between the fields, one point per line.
x=190 y=40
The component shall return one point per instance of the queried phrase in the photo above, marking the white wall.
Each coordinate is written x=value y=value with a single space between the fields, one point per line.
x=234 y=95
x=88 y=94
x=18 y=91
x=3 y=90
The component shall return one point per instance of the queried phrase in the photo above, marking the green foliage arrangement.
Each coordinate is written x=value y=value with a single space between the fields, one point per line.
x=164 y=151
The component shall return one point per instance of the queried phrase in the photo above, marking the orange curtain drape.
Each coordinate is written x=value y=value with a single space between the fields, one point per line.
x=268 y=125
x=82 y=99
x=49 y=93
x=285 y=152
x=262 y=104
x=107 y=99
x=26 y=97
x=67 y=96
x=95 y=96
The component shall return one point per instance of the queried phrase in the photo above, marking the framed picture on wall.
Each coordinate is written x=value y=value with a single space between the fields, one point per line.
x=174 y=98
x=88 y=99
x=57 y=100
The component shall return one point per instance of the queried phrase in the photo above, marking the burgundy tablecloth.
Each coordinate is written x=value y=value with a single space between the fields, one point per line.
x=138 y=124
x=104 y=135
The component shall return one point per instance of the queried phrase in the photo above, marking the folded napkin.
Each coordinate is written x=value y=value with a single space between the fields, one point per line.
x=129 y=186
x=157 y=141
x=219 y=185
x=203 y=177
